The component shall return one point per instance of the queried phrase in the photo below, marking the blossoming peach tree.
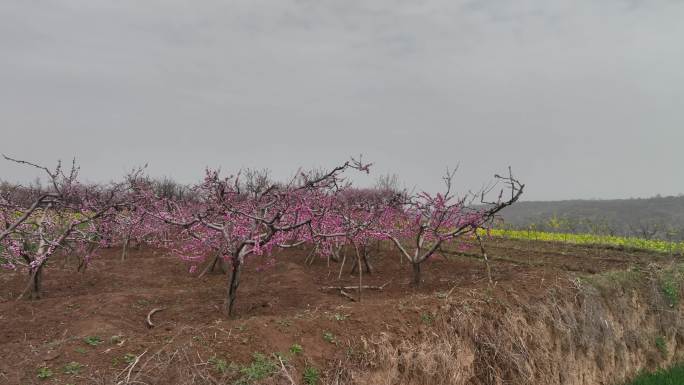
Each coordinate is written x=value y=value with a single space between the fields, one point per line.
x=238 y=222
x=37 y=222
x=426 y=221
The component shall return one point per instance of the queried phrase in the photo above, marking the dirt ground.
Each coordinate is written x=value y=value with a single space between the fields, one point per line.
x=280 y=304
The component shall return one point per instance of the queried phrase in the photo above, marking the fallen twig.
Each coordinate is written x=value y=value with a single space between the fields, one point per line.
x=287 y=374
x=148 y=320
x=365 y=287
x=132 y=365
x=344 y=293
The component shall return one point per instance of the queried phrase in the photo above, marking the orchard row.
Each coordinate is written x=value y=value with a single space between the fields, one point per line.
x=235 y=217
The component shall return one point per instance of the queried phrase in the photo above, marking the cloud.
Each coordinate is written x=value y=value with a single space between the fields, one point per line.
x=580 y=97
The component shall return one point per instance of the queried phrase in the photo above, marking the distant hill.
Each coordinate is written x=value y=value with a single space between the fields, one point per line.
x=659 y=217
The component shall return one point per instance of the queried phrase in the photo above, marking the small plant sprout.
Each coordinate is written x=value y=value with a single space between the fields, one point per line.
x=220 y=365
x=116 y=339
x=427 y=319
x=260 y=368
x=44 y=373
x=92 y=340
x=129 y=357
x=661 y=345
x=72 y=367
x=296 y=349
x=329 y=337
x=311 y=376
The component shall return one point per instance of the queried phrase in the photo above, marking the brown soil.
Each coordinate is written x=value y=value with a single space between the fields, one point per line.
x=279 y=305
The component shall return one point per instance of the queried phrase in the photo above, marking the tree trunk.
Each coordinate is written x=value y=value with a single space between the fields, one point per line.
x=36 y=282
x=416 y=274
x=124 y=249
x=369 y=268
x=484 y=256
x=233 y=287
x=218 y=259
x=364 y=258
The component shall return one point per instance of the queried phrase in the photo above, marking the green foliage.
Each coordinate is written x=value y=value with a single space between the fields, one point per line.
x=672 y=376
x=44 y=373
x=661 y=345
x=81 y=350
x=427 y=319
x=296 y=349
x=72 y=367
x=92 y=340
x=311 y=376
x=220 y=365
x=622 y=279
x=669 y=284
x=260 y=368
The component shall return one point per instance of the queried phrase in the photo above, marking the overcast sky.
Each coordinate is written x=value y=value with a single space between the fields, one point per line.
x=583 y=98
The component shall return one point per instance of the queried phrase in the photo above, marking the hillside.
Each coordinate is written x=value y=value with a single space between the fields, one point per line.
x=660 y=217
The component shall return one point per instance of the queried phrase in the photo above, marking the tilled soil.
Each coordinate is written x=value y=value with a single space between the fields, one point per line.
x=280 y=303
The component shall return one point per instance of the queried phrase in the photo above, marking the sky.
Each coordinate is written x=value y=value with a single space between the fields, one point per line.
x=582 y=98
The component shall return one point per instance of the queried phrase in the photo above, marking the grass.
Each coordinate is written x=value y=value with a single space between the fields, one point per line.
x=671 y=376
x=661 y=345
x=669 y=284
x=261 y=367
x=427 y=318
x=624 y=279
x=220 y=365
x=296 y=349
x=311 y=376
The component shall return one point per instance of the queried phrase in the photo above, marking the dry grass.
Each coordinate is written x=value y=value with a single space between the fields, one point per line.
x=598 y=330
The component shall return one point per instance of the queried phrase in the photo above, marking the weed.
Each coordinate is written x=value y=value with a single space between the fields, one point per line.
x=284 y=323
x=129 y=358
x=311 y=376
x=220 y=365
x=296 y=349
x=260 y=368
x=427 y=318
x=329 y=337
x=81 y=350
x=670 y=288
x=44 y=373
x=340 y=317
x=72 y=367
x=92 y=340
x=116 y=339
x=661 y=345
